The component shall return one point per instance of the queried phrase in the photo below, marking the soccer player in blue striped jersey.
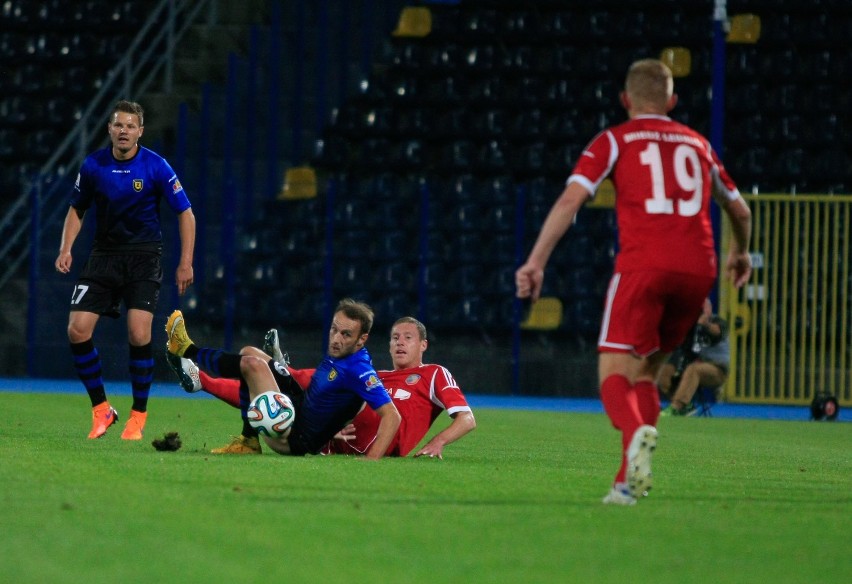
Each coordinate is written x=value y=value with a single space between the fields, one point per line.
x=126 y=183
x=341 y=384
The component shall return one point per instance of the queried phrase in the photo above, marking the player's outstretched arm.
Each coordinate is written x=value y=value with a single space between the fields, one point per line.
x=463 y=423
x=388 y=425
x=530 y=276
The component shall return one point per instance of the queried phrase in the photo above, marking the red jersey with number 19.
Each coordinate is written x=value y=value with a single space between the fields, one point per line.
x=664 y=173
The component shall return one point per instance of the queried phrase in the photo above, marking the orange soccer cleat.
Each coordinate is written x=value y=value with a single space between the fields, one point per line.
x=135 y=425
x=103 y=416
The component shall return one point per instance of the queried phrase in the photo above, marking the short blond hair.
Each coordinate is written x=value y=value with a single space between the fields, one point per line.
x=649 y=81
x=421 y=328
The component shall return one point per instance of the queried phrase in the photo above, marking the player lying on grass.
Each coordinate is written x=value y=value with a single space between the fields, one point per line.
x=342 y=382
x=420 y=392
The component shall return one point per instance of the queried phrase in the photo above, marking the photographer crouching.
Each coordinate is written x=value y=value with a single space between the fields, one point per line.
x=702 y=360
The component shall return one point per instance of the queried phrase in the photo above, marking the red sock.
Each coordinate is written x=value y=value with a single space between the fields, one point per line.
x=620 y=404
x=302 y=377
x=227 y=390
x=648 y=397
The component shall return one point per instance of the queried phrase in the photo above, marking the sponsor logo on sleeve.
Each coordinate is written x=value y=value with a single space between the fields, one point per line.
x=137 y=184
x=176 y=187
x=372 y=382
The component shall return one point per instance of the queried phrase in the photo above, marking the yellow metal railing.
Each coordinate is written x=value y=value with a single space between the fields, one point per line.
x=791 y=326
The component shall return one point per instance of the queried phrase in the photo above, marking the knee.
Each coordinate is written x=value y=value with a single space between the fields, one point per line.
x=78 y=334
x=250 y=364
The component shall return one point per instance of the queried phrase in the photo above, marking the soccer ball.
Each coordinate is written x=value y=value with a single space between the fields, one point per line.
x=272 y=414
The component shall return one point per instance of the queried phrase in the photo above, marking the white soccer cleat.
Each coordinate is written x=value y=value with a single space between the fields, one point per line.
x=186 y=371
x=272 y=348
x=619 y=495
x=642 y=445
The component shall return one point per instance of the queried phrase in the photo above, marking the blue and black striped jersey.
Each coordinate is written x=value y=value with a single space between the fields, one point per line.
x=126 y=195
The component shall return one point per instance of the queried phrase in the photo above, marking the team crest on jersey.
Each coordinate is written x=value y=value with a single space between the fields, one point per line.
x=412 y=379
x=137 y=184
x=372 y=382
x=333 y=375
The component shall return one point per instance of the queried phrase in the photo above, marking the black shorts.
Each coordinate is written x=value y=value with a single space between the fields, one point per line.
x=109 y=280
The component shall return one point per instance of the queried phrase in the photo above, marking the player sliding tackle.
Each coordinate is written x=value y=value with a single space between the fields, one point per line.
x=663 y=174
x=419 y=391
x=343 y=381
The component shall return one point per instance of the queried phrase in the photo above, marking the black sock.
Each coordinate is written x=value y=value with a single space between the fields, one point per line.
x=218 y=362
x=87 y=362
x=141 y=375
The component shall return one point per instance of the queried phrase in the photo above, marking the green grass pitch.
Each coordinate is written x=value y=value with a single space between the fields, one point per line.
x=516 y=501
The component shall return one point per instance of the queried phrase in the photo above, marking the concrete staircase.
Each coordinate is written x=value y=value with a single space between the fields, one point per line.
x=202 y=57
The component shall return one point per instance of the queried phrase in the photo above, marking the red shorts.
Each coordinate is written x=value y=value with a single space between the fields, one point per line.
x=651 y=311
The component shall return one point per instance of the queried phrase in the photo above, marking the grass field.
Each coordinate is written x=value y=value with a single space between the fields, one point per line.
x=516 y=501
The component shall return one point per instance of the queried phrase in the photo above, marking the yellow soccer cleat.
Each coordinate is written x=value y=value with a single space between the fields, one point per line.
x=135 y=425
x=179 y=340
x=103 y=416
x=240 y=445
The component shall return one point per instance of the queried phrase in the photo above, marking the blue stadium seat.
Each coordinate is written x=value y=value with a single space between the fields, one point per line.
x=447 y=91
x=489 y=122
x=408 y=155
x=393 y=276
x=493 y=156
x=458 y=155
x=452 y=123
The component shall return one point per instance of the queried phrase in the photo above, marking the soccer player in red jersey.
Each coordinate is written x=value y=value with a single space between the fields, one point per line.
x=664 y=174
x=419 y=391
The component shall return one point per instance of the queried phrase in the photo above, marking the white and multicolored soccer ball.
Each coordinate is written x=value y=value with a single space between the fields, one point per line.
x=272 y=414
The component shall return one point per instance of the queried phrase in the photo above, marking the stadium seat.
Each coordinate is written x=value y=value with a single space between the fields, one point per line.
x=544 y=314
x=458 y=155
x=9 y=143
x=414 y=22
x=489 y=123
x=446 y=91
x=300 y=182
x=353 y=278
x=493 y=156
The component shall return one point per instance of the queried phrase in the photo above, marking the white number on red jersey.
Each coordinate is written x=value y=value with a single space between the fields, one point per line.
x=687 y=171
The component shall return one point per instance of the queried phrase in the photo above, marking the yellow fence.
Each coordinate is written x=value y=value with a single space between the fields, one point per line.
x=791 y=335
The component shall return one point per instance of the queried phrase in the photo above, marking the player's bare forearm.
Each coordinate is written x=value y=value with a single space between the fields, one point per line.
x=184 y=275
x=388 y=425
x=70 y=230
x=462 y=424
x=738 y=265
x=530 y=276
